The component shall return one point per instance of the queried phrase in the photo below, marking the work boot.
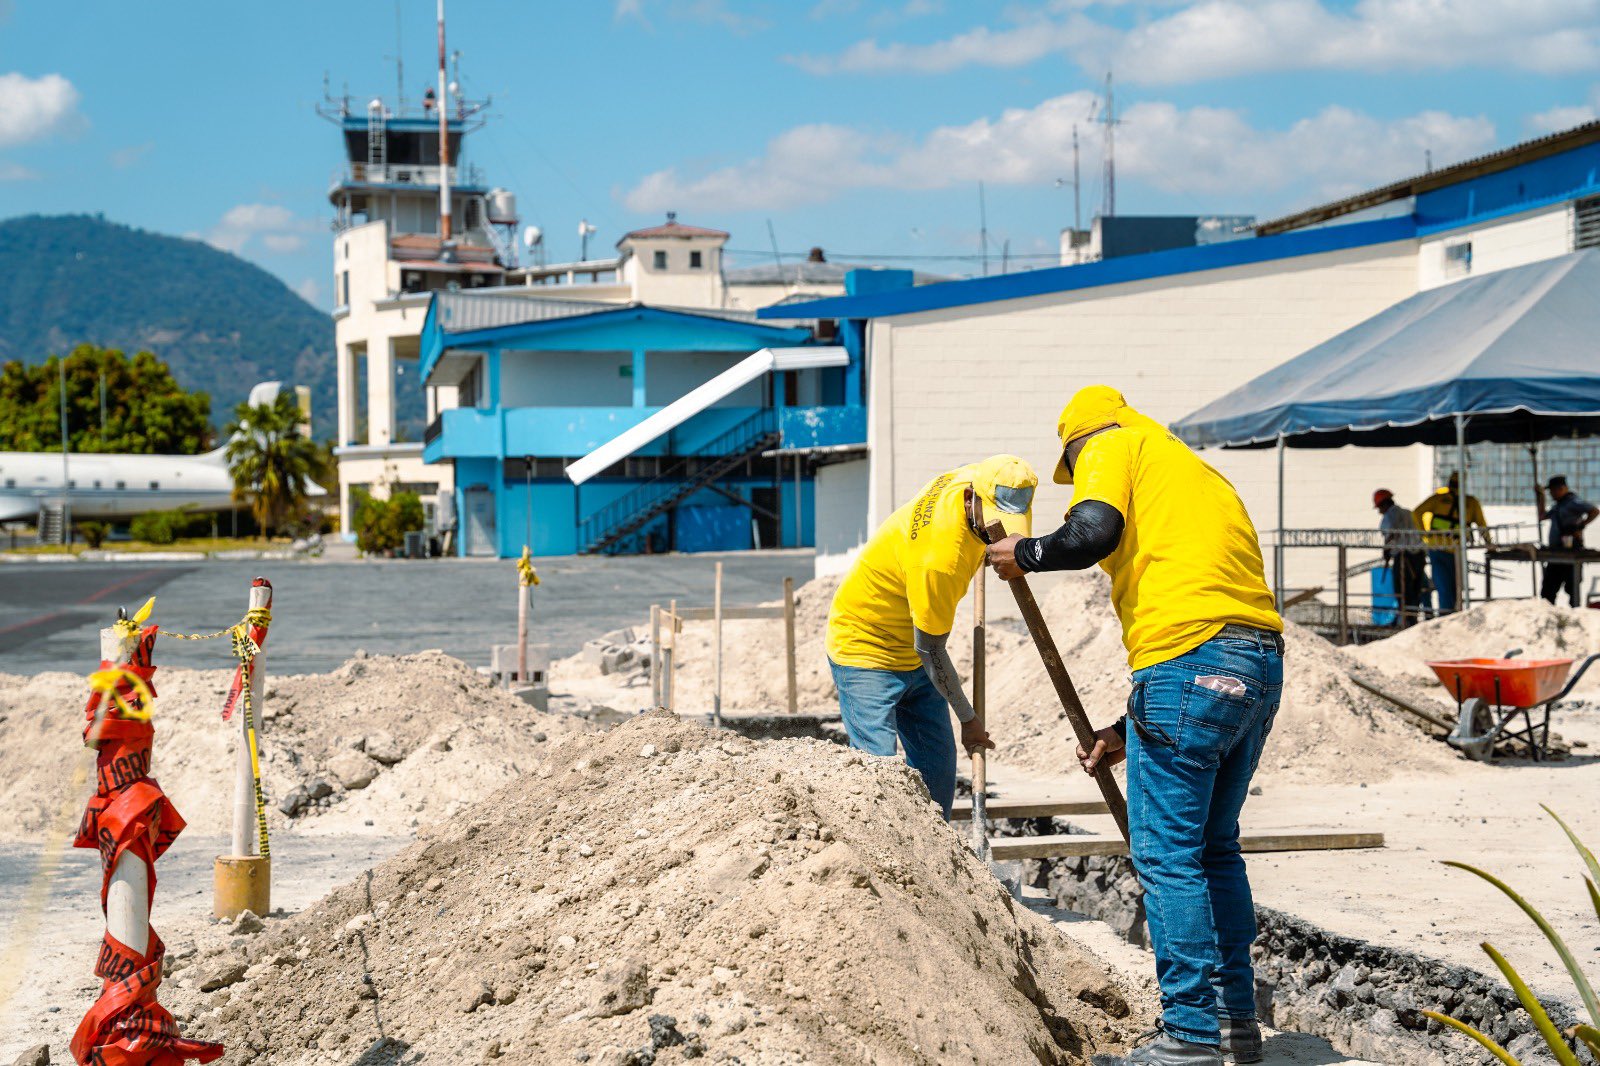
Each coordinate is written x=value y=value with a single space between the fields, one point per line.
x=1160 y=1048
x=1241 y=1039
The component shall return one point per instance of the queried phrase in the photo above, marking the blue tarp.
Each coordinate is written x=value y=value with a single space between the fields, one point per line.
x=1518 y=351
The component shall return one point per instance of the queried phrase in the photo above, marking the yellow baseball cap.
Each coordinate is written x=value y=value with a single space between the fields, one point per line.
x=1005 y=484
x=1091 y=408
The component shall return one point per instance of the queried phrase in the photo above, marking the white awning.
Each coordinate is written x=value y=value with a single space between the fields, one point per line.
x=685 y=407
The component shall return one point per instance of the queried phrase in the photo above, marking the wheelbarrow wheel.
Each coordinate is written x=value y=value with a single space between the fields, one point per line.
x=1474 y=730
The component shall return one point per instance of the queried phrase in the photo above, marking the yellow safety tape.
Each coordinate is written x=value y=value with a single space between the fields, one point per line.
x=105 y=682
x=527 y=576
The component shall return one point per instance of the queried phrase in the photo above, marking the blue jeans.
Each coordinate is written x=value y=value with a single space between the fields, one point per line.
x=880 y=705
x=1443 y=565
x=1191 y=753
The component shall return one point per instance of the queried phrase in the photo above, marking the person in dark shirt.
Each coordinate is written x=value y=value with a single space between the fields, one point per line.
x=1568 y=516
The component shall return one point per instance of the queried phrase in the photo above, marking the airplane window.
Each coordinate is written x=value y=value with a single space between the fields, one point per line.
x=154 y=485
x=122 y=484
x=96 y=482
x=11 y=482
x=72 y=483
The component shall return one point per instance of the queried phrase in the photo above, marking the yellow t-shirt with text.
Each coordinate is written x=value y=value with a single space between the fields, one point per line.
x=1189 y=561
x=910 y=575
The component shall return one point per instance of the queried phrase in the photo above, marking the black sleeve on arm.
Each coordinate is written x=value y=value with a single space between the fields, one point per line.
x=1090 y=533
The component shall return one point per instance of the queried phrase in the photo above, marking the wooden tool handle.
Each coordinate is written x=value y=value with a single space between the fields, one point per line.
x=1045 y=643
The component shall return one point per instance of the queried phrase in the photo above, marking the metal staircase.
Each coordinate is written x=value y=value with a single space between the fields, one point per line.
x=606 y=528
x=52 y=523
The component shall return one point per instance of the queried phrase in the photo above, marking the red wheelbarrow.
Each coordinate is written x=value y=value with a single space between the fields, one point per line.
x=1497 y=699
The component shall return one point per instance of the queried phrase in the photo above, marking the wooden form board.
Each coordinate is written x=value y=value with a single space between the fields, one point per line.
x=1045 y=808
x=729 y=614
x=1064 y=847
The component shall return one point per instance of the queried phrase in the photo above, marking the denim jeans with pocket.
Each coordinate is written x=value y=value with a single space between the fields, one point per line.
x=880 y=705
x=1196 y=727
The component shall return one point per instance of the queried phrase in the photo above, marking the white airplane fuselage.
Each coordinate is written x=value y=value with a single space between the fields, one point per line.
x=113 y=485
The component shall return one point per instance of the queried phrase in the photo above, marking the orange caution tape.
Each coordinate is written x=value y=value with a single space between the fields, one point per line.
x=128 y=813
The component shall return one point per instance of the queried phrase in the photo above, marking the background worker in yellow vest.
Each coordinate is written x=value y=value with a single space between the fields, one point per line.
x=1206 y=650
x=891 y=619
x=1441 y=514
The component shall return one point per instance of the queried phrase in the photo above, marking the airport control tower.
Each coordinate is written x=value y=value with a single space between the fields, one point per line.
x=408 y=220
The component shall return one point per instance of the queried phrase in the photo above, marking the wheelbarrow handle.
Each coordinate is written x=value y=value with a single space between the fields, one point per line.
x=1573 y=680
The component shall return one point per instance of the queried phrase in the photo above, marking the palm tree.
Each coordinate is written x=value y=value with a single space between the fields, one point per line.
x=270 y=459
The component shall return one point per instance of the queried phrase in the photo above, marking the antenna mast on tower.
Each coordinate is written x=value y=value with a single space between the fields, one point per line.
x=1109 y=117
x=444 y=137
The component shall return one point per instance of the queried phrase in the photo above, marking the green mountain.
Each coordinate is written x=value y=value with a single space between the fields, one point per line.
x=221 y=323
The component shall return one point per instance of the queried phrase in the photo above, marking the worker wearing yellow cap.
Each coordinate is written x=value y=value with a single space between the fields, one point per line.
x=892 y=617
x=1206 y=650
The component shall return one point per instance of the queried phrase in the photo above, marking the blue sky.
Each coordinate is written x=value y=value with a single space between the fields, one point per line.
x=863 y=126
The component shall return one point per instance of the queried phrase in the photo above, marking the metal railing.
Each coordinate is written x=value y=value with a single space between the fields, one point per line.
x=426 y=174
x=628 y=513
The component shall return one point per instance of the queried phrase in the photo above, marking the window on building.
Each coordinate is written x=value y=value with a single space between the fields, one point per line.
x=660 y=260
x=11 y=482
x=1503 y=474
x=344 y=288
x=1586 y=223
x=1458 y=259
x=122 y=484
x=696 y=260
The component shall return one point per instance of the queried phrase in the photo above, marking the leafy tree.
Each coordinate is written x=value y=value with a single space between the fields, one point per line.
x=166 y=527
x=146 y=411
x=382 y=525
x=93 y=533
x=271 y=460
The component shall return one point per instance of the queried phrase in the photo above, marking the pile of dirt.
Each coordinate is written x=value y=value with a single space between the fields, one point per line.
x=385 y=742
x=753 y=672
x=1542 y=630
x=1327 y=729
x=665 y=892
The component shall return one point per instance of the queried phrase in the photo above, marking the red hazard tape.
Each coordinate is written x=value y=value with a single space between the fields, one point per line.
x=129 y=814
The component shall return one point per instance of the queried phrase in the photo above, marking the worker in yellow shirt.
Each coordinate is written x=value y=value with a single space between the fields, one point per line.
x=892 y=617
x=1206 y=649
x=1440 y=514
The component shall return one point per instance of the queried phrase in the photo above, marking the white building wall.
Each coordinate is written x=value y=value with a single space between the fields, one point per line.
x=752 y=296
x=1516 y=240
x=955 y=385
x=565 y=379
x=841 y=491
x=678 y=284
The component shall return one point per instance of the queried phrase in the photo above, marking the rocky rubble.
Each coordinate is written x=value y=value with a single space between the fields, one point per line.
x=657 y=894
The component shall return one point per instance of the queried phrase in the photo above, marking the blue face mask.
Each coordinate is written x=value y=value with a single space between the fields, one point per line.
x=1013 y=499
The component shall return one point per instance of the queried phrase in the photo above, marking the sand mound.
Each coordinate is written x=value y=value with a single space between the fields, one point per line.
x=668 y=893
x=753 y=660
x=1540 y=629
x=391 y=740
x=1327 y=729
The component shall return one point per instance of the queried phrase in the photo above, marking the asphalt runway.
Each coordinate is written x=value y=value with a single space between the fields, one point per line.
x=51 y=613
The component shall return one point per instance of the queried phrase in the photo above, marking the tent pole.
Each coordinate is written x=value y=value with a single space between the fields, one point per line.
x=1463 y=596
x=1277 y=552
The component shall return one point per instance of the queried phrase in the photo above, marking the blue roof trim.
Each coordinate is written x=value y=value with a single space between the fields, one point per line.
x=1106 y=272
x=1428 y=229
x=435 y=341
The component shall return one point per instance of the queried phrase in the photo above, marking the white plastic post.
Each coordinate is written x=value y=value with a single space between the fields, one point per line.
x=128 y=894
x=244 y=785
x=716 y=610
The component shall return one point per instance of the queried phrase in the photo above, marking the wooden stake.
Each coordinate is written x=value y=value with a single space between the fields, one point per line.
x=716 y=693
x=655 y=655
x=980 y=761
x=1045 y=643
x=669 y=657
x=788 y=644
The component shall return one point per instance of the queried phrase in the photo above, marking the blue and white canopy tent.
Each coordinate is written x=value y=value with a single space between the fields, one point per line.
x=1509 y=357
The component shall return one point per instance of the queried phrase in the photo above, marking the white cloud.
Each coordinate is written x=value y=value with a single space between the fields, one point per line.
x=16 y=172
x=1564 y=117
x=31 y=108
x=1213 y=152
x=707 y=12
x=309 y=290
x=123 y=158
x=276 y=226
x=1223 y=38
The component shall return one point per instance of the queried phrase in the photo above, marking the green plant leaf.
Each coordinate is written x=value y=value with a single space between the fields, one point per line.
x=1541 y=1020
x=1583 y=852
x=1594 y=895
x=1591 y=1036
x=1462 y=1027
x=1585 y=990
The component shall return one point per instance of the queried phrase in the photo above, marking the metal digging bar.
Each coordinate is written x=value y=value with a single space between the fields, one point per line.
x=627 y=514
